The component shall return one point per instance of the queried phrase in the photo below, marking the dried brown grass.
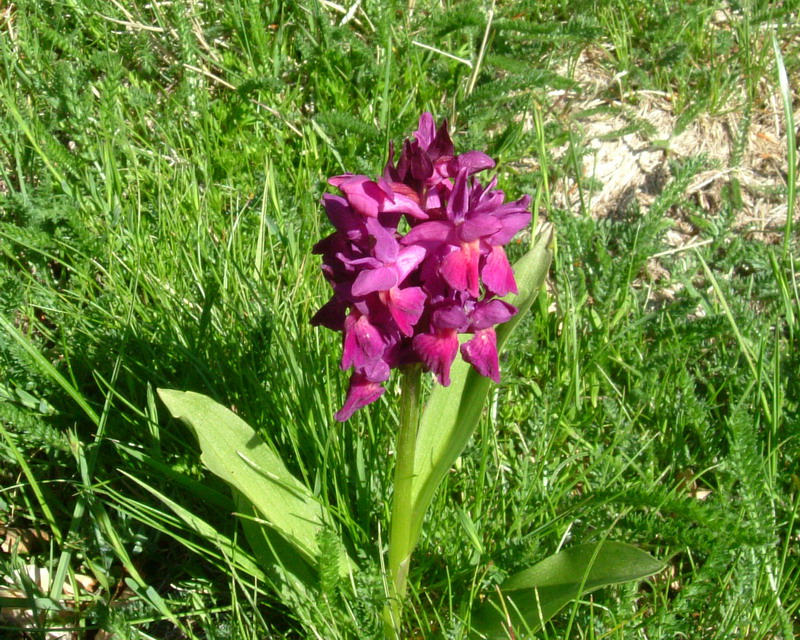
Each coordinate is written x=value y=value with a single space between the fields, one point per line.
x=634 y=166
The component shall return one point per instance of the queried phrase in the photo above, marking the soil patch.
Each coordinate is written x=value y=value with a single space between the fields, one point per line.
x=627 y=148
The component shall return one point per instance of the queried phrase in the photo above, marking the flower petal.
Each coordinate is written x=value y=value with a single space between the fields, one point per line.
x=364 y=195
x=360 y=393
x=421 y=166
x=376 y=371
x=342 y=216
x=335 y=181
x=386 y=247
x=437 y=351
x=426 y=130
x=404 y=204
x=513 y=216
x=370 y=280
x=478 y=226
x=408 y=259
x=458 y=204
x=490 y=313
x=450 y=316
x=481 y=353
x=433 y=199
x=473 y=161
x=497 y=275
x=442 y=145
x=486 y=203
x=329 y=245
x=433 y=232
x=331 y=314
x=362 y=342
x=398 y=188
x=406 y=306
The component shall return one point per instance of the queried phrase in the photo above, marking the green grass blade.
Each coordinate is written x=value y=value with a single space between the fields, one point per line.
x=791 y=145
x=50 y=370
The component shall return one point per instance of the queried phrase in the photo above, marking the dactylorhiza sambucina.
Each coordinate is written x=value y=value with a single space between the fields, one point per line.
x=403 y=299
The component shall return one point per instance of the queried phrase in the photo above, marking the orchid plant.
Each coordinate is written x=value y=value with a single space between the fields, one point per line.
x=415 y=260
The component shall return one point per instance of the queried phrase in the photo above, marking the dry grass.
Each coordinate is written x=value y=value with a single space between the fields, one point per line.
x=628 y=144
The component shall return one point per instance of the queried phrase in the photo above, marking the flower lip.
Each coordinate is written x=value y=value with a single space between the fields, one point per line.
x=497 y=275
x=360 y=393
x=481 y=353
x=363 y=343
x=437 y=351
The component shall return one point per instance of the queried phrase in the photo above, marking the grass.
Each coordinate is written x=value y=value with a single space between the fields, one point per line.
x=160 y=173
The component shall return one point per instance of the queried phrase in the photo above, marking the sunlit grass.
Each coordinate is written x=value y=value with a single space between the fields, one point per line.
x=160 y=174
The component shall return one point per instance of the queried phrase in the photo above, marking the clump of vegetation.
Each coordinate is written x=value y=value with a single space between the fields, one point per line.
x=160 y=175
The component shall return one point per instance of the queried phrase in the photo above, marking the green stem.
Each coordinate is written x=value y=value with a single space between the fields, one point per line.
x=401 y=543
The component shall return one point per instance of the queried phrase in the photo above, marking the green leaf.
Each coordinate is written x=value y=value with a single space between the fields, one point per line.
x=273 y=551
x=452 y=413
x=529 y=599
x=234 y=452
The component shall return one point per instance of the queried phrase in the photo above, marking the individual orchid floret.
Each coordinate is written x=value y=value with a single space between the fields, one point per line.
x=481 y=351
x=360 y=393
x=370 y=198
x=401 y=298
x=467 y=235
x=386 y=271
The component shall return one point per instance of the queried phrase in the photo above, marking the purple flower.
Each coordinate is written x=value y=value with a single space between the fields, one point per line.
x=385 y=271
x=371 y=198
x=400 y=299
x=473 y=228
x=481 y=351
x=360 y=393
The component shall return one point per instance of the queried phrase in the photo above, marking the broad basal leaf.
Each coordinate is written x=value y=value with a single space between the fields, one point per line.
x=234 y=452
x=532 y=597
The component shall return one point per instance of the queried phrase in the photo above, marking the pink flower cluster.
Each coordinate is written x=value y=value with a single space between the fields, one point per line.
x=404 y=298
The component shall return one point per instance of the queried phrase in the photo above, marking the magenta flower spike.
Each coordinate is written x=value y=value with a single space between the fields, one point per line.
x=401 y=299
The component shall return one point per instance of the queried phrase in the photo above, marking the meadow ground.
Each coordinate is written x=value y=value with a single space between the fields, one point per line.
x=161 y=167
